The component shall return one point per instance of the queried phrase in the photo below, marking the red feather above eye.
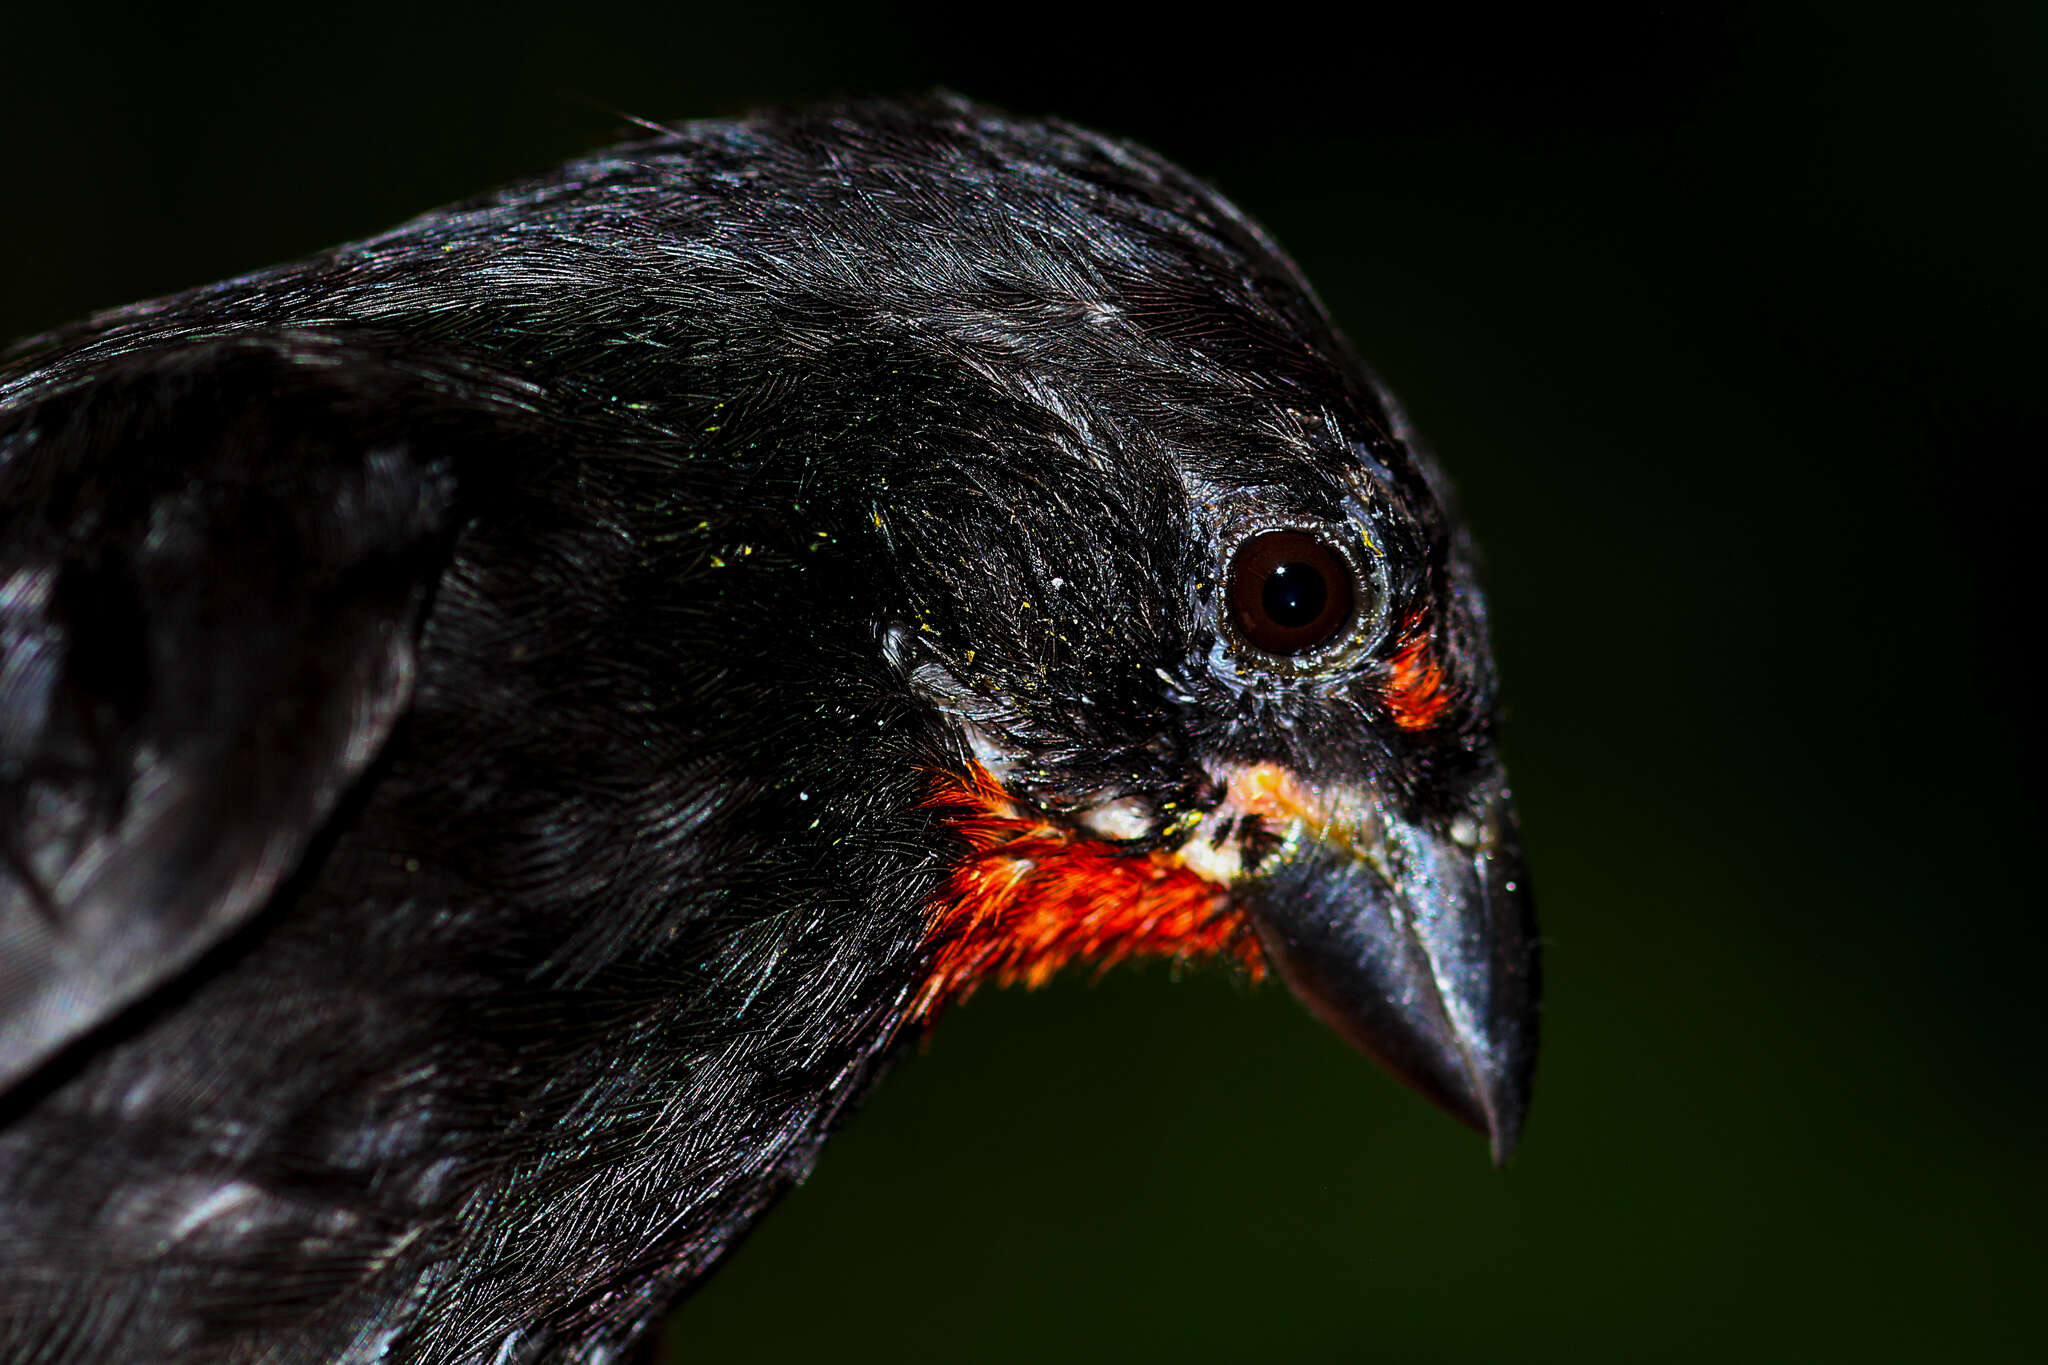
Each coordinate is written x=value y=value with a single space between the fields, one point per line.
x=1030 y=897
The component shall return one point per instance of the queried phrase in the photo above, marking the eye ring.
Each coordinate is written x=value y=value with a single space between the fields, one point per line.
x=1290 y=593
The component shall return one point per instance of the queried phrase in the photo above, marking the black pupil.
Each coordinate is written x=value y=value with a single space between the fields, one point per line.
x=1294 y=595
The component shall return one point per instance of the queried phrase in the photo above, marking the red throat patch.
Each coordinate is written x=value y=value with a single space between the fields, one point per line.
x=1030 y=897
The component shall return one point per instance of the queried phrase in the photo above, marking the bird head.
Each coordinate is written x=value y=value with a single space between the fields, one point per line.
x=1243 y=709
x=1199 y=619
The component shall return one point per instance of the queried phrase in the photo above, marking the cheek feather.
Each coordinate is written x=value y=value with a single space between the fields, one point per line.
x=1415 y=685
x=1029 y=897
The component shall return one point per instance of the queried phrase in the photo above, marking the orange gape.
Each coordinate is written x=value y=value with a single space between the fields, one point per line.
x=1030 y=897
x=1415 y=691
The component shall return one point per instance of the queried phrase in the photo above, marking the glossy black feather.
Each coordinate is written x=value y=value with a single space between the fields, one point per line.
x=555 y=611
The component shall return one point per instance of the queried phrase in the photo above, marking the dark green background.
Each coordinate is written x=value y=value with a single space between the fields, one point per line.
x=1731 y=329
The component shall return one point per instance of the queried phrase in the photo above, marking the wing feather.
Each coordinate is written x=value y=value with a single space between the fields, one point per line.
x=213 y=567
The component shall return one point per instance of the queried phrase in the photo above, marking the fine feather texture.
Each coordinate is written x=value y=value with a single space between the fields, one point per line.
x=1029 y=897
x=538 y=632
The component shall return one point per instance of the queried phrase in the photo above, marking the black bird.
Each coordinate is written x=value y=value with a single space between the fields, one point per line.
x=505 y=727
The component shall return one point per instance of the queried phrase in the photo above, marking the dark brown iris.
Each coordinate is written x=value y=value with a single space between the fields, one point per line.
x=1289 y=592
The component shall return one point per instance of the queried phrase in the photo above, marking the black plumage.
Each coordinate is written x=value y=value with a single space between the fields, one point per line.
x=471 y=701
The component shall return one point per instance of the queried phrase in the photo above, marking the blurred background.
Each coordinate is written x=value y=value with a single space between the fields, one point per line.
x=1731 y=328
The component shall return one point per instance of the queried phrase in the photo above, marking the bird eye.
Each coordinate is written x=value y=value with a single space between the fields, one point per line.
x=1289 y=592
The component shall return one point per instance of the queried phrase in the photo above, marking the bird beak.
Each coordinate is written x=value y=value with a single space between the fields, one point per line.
x=1416 y=941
